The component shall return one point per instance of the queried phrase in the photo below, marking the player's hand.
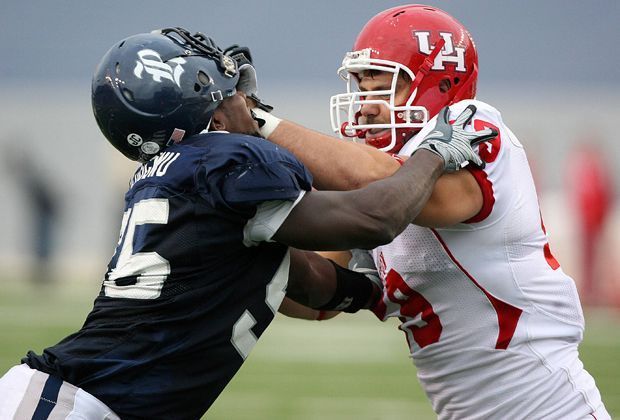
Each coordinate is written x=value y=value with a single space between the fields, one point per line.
x=453 y=143
x=248 y=82
x=247 y=73
x=362 y=262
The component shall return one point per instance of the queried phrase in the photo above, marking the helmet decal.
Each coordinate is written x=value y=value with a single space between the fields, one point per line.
x=449 y=53
x=157 y=68
x=134 y=139
x=150 y=147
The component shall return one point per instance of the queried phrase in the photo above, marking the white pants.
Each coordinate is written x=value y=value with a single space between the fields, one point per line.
x=25 y=392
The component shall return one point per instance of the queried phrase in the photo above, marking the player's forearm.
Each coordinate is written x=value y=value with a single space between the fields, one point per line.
x=399 y=199
x=335 y=164
x=364 y=218
x=321 y=284
x=293 y=309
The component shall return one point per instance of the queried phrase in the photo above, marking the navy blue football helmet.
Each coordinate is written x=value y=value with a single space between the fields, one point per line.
x=153 y=89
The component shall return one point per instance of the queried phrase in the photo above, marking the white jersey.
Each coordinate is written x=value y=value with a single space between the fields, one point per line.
x=492 y=321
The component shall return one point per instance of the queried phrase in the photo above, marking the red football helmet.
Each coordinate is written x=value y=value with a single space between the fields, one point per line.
x=428 y=45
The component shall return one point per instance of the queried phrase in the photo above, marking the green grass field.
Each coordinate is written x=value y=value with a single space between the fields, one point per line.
x=352 y=367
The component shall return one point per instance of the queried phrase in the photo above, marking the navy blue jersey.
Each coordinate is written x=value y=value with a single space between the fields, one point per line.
x=183 y=300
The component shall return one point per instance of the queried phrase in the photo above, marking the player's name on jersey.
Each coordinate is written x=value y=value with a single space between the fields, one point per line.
x=154 y=167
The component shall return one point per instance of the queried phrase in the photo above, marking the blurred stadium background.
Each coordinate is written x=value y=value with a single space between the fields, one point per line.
x=551 y=68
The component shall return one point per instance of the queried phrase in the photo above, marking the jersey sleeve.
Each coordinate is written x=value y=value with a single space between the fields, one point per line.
x=495 y=180
x=248 y=173
x=488 y=196
x=267 y=220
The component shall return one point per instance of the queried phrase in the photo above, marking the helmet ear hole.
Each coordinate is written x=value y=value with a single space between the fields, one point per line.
x=197 y=87
x=445 y=85
x=203 y=78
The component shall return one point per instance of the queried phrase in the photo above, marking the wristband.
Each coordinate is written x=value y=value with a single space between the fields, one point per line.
x=353 y=291
x=270 y=122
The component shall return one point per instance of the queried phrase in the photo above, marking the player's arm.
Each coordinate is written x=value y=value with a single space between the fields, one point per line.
x=341 y=258
x=346 y=165
x=337 y=165
x=293 y=309
x=375 y=214
x=364 y=218
x=456 y=197
x=316 y=283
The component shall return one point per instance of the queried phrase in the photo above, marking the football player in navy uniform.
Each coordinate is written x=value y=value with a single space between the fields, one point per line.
x=207 y=248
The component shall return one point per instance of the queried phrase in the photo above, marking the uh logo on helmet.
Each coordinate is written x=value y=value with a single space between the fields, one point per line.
x=426 y=46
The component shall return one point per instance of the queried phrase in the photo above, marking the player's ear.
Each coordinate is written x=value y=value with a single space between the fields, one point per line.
x=218 y=121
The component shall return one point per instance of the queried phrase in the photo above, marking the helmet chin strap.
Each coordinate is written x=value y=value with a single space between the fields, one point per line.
x=402 y=136
x=426 y=65
x=359 y=133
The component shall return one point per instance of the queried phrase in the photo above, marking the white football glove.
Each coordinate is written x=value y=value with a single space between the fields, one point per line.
x=453 y=143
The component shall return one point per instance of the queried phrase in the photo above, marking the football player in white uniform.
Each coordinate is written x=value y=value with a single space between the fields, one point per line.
x=492 y=321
